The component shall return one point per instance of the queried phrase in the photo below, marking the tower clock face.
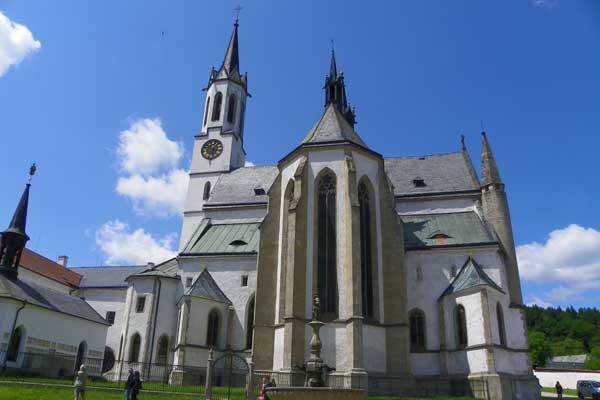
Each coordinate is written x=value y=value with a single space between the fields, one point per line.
x=212 y=149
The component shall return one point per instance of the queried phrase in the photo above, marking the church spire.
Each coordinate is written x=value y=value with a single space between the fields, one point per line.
x=232 y=59
x=14 y=237
x=335 y=92
x=489 y=169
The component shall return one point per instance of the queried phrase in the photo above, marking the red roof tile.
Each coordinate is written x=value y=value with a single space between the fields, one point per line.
x=39 y=264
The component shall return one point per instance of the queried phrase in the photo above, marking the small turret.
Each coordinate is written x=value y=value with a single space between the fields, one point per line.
x=335 y=92
x=14 y=238
x=497 y=214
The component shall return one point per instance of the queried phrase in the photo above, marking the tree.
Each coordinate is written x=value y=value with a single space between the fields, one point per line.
x=539 y=348
x=567 y=347
x=594 y=360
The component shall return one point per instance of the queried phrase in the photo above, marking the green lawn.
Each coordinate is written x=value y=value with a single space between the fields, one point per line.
x=571 y=392
x=47 y=393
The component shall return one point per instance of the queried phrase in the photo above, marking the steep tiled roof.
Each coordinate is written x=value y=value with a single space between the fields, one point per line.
x=237 y=187
x=459 y=229
x=442 y=173
x=39 y=264
x=333 y=127
x=106 y=277
x=206 y=287
x=41 y=296
x=223 y=239
x=470 y=275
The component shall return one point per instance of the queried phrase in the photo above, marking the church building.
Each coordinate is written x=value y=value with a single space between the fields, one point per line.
x=412 y=258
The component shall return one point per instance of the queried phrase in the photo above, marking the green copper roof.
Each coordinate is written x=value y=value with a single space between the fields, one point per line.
x=206 y=287
x=450 y=229
x=470 y=275
x=223 y=239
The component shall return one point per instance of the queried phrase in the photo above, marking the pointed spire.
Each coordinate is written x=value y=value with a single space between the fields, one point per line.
x=232 y=59
x=489 y=169
x=335 y=92
x=19 y=219
x=333 y=66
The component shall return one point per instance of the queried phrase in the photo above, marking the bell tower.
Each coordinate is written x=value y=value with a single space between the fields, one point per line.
x=219 y=147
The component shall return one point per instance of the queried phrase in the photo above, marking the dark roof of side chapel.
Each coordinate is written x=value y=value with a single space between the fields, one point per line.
x=470 y=275
x=166 y=269
x=332 y=127
x=106 y=277
x=462 y=229
x=441 y=173
x=237 y=187
x=50 y=299
x=206 y=287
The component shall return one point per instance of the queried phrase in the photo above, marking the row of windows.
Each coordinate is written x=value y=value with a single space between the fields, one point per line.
x=217 y=108
x=417 y=328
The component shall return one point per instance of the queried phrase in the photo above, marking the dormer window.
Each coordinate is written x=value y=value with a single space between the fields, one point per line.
x=419 y=182
x=440 y=238
x=259 y=191
x=238 y=242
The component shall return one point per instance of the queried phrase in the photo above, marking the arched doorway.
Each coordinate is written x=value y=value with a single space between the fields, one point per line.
x=81 y=352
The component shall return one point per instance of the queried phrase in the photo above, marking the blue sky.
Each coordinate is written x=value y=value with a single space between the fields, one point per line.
x=82 y=75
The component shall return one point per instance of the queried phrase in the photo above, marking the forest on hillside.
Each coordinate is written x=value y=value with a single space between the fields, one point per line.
x=561 y=332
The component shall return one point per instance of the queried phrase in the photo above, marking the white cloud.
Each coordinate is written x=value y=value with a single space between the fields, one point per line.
x=16 y=42
x=536 y=301
x=160 y=196
x=249 y=164
x=144 y=148
x=570 y=257
x=545 y=3
x=120 y=245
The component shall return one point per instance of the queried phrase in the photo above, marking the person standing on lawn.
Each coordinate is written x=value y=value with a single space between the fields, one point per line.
x=137 y=385
x=80 y=379
x=128 y=385
x=559 y=390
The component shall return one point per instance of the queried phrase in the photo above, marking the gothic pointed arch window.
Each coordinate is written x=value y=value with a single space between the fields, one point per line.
x=417 y=330
x=15 y=344
x=327 y=245
x=162 y=351
x=250 y=324
x=366 y=246
x=206 y=110
x=460 y=318
x=216 y=112
x=231 y=109
x=501 y=328
x=206 y=193
x=212 y=330
x=134 y=351
x=242 y=112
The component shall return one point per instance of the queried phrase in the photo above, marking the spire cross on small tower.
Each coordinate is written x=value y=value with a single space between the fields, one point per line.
x=482 y=130
x=32 y=170
x=462 y=140
x=237 y=12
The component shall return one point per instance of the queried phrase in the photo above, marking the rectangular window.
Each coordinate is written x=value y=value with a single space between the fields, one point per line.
x=188 y=282
x=110 y=317
x=139 y=305
x=244 y=280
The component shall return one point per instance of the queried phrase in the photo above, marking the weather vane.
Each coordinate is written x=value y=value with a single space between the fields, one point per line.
x=32 y=170
x=237 y=12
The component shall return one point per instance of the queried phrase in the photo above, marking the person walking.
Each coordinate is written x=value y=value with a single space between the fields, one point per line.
x=128 y=385
x=80 y=381
x=137 y=385
x=559 y=390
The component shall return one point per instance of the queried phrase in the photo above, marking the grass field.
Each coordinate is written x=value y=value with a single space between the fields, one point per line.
x=49 y=393
x=571 y=392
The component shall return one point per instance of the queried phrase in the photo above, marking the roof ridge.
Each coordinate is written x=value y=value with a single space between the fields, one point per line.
x=424 y=155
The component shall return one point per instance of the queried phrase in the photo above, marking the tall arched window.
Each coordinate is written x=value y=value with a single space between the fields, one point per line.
x=81 y=353
x=461 y=326
x=243 y=111
x=417 y=330
x=366 y=261
x=109 y=359
x=162 y=352
x=216 y=113
x=206 y=193
x=327 y=245
x=212 y=332
x=14 y=345
x=134 y=351
x=206 y=111
x=231 y=109
x=501 y=328
x=250 y=324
